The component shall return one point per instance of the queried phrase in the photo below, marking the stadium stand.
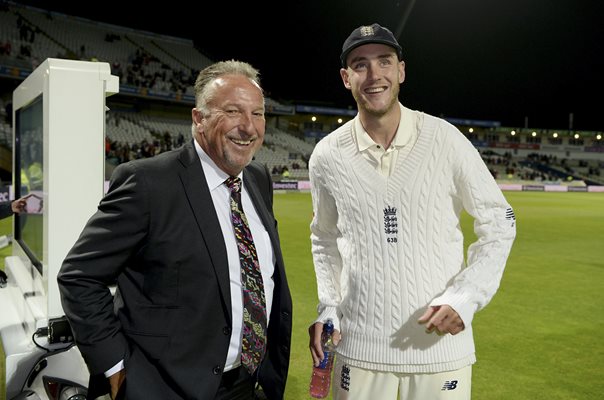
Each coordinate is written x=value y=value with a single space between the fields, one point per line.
x=152 y=112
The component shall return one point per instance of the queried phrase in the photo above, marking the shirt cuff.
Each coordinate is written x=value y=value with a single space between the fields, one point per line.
x=116 y=368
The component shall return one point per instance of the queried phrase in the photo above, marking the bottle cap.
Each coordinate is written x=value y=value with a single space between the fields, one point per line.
x=328 y=327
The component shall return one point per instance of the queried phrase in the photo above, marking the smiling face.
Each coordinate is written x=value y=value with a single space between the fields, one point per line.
x=231 y=130
x=373 y=75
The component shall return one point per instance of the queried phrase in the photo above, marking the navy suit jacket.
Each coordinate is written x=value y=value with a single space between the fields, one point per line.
x=156 y=235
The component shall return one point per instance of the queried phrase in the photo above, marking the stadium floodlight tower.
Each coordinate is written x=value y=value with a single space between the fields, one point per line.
x=59 y=161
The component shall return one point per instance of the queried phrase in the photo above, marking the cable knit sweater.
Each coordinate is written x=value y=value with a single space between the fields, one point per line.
x=384 y=248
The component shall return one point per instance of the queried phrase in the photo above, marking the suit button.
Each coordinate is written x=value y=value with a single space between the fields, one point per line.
x=226 y=330
x=284 y=314
x=216 y=370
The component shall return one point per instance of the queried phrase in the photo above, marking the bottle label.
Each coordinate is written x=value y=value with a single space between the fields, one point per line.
x=326 y=358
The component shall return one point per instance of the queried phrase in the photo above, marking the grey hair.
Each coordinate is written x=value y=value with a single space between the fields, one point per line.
x=203 y=92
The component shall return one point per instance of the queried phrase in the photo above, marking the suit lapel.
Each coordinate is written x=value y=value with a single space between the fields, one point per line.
x=200 y=200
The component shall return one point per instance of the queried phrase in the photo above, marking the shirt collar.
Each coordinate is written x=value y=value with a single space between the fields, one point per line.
x=214 y=175
x=402 y=137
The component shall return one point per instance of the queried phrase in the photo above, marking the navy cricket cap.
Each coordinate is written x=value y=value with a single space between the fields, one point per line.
x=369 y=34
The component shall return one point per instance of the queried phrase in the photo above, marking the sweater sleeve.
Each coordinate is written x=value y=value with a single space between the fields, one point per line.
x=324 y=235
x=495 y=229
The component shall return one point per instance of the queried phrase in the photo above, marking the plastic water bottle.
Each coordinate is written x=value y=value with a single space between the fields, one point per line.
x=320 y=380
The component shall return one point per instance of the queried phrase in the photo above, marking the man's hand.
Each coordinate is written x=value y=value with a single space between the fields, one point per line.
x=316 y=350
x=115 y=381
x=20 y=204
x=442 y=319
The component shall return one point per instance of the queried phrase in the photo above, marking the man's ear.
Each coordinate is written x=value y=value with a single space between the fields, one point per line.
x=198 y=120
x=344 y=75
x=196 y=116
x=401 y=72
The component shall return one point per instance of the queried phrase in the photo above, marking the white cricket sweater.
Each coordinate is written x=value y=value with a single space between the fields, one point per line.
x=384 y=248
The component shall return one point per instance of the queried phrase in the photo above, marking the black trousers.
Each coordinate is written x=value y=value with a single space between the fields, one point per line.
x=236 y=384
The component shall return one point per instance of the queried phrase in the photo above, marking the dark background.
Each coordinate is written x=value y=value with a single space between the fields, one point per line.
x=520 y=62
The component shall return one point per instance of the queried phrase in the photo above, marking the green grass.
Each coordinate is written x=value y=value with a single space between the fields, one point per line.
x=6 y=227
x=540 y=337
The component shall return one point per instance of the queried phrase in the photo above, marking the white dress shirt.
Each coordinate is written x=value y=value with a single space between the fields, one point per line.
x=215 y=178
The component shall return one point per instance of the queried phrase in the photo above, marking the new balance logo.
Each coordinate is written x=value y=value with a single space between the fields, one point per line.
x=449 y=385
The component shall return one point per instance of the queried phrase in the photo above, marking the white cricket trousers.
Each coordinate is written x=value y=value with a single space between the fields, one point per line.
x=352 y=383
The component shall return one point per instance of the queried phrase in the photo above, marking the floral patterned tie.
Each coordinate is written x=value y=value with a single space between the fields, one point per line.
x=253 y=344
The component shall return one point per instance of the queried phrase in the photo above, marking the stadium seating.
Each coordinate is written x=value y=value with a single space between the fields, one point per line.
x=152 y=112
